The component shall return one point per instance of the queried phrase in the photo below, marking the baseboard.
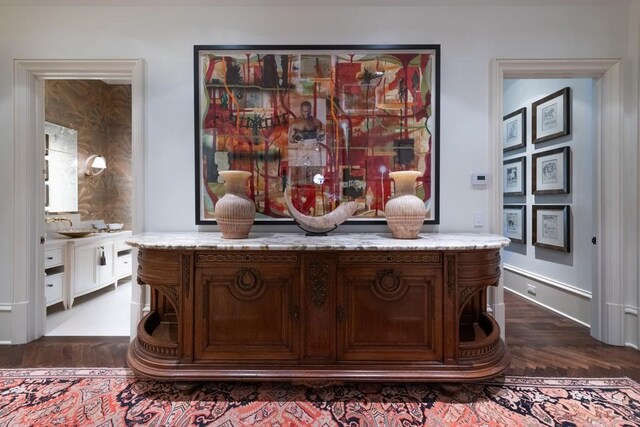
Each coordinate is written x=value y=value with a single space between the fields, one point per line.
x=631 y=328
x=561 y=298
x=5 y=324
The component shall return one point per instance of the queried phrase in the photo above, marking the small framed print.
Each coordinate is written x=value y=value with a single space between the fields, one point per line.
x=514 y=130
x=551 y=227
x=514 y=176
x=551 y=171
x=551 y=116
x=515 y=224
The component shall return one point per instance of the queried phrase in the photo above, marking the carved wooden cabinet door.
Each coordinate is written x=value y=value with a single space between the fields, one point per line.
x=390 y=307
x=249 y=307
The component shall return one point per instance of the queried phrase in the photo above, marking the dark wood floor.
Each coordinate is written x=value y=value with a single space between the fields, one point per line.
x=542 y=343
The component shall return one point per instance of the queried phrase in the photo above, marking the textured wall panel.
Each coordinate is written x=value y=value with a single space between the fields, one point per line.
x=101 y=114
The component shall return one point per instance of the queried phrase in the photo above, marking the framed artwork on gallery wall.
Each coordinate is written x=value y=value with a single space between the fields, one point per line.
x=515 y=222
x=514 y=130
x=551 y=116
x=551 y=227
x=514 y=172
x=551 y=171
x=321 y=125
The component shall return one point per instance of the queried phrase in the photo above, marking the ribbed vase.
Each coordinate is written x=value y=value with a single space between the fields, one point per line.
x=235 y=211
x=405 y=211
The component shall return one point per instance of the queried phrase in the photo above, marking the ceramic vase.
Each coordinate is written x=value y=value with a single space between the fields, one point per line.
x=405 y=211
x=235 y=211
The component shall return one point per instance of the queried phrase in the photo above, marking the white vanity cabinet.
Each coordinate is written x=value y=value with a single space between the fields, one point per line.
x=95 y=260
x=86 y=269
x=108 y=265
x=85 y=264
x=54 y=274
x=123 y=259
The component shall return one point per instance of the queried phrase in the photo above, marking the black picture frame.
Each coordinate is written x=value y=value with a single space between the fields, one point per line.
x=514 y=176
x=371 y=128
x=551 y=116
x=551 y=171
x=514 y=130
x=551 y=227
x=514 y=225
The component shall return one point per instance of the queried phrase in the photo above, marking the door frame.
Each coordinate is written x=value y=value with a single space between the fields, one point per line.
x=607 y=300
x=28 y=310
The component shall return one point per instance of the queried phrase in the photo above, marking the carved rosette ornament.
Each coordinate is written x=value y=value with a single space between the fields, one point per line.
x=388 y=285
x=248 y=284
x=318 y=275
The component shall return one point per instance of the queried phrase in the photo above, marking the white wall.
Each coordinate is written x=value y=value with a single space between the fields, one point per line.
x=471 y=33
x=575 y=268
x=632 y=290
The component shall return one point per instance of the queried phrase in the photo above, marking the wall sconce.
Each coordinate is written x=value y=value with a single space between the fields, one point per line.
x=95 y=165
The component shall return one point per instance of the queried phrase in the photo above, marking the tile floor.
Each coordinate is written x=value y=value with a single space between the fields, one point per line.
x=105 y=312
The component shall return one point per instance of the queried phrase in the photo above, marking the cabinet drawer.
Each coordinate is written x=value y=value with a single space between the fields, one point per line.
x=53 y=288
x=53 y=257
x=121 y=245
x=123 y=265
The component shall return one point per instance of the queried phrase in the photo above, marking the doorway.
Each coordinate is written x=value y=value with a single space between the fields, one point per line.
x=559 y=278
x=86 y=120
x=607 y=317
x=28 y=314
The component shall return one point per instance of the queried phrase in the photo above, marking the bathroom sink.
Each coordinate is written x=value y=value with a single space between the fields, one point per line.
x=76 y=232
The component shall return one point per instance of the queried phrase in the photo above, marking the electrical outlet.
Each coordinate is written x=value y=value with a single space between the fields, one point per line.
x=531 y=290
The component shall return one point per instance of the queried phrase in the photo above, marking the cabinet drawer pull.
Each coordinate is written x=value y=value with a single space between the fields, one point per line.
x=50 y=285
x=49 y=258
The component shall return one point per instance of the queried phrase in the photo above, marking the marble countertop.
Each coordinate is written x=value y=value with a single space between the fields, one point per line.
x=333 y=241
x=55 y=239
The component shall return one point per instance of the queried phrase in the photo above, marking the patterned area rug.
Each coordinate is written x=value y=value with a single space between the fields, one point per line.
x=114 y=397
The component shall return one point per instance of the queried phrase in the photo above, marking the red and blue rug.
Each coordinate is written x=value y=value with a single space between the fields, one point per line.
x=114 y=397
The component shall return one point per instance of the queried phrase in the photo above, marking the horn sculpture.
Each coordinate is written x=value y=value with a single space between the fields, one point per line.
x=320 y=224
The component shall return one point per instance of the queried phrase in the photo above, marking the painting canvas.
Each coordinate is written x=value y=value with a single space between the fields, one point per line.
x=329 y=123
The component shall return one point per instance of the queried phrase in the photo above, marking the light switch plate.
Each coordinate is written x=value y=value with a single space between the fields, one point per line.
x=478 y=219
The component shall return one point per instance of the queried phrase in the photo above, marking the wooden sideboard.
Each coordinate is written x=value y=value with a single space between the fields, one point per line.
x=277 y=307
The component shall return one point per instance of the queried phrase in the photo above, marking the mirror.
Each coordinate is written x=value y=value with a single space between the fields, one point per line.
x=61 y=168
